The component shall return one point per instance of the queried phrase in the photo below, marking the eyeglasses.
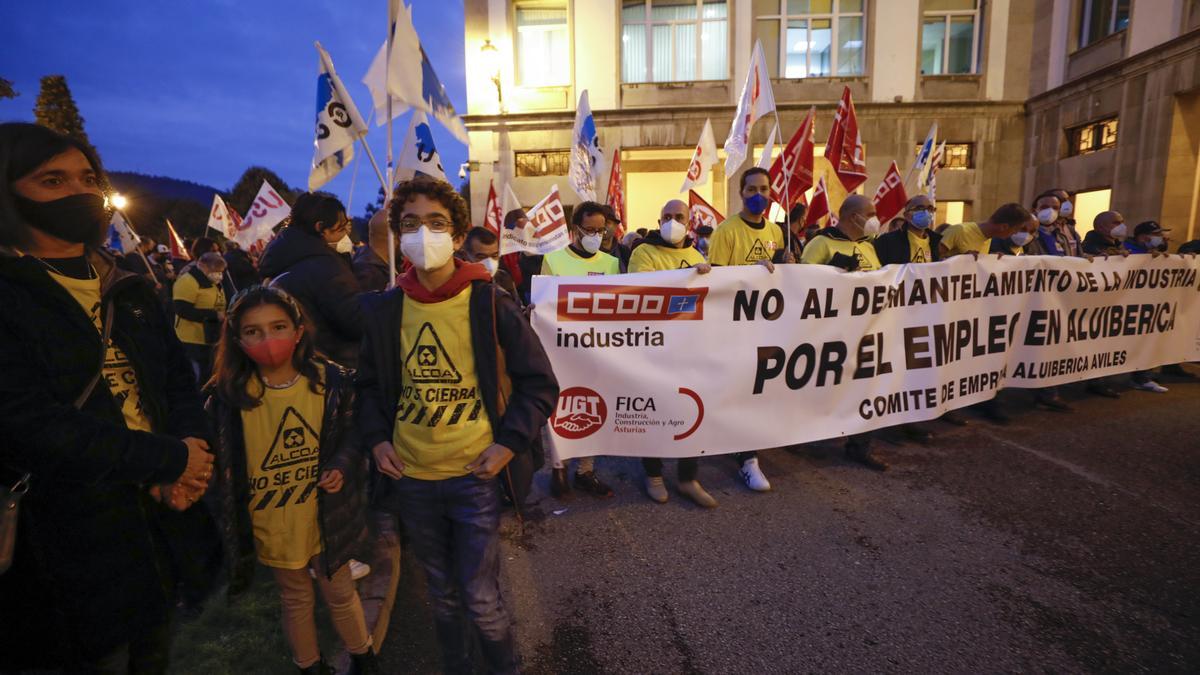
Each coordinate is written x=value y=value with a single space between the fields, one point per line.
x=435 y=224
x=681 y=217
x=930 y=209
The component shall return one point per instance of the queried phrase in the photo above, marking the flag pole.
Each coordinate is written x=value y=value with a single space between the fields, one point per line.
x=787 y=184
x=387 y=192
x=137 y=244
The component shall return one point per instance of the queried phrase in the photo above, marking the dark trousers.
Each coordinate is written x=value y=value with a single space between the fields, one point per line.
x=688 y=466
x=201 y=357
x=146 y=654
x=743 y=457
x=454 y=527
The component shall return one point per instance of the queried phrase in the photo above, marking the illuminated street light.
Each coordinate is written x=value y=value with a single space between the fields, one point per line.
x=118 y=201
x=491 y=64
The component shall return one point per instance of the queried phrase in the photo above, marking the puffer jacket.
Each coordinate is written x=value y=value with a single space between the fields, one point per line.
x=341 y=516
x=96 y=559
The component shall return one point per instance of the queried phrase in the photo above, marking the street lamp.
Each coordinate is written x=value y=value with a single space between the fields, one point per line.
x=462 y=170
x=491 y=64
x=118 y=201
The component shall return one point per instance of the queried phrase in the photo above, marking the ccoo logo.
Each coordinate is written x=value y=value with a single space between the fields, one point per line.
x=580 y=413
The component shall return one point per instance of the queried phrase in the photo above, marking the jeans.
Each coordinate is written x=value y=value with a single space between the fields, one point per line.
x=454 y=527
x=147 y=654
x=688 y=466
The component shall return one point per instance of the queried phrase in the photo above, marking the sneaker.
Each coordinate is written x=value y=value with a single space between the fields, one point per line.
x=1103 y=390
x=656 y=490
x=560 y=488
x=1150 y=385
x=358 y=569
x=586 y=481
x=692 y=490
x=954 y=418
x=1054 y=403
x=755 y=480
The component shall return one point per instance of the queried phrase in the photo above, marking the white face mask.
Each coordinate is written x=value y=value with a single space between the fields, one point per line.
x=491 y=265
x=1155 y=241
x=215 y=277
x=871 y=227
x=591 y=242
x=1021 y=238
x=1066 y=209
x=672 y=230
x=1047 y=216
x=344 y=245
x=427 y=250
x=1119 y=232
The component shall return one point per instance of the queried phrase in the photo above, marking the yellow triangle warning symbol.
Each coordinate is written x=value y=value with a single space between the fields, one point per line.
x=427 y=362
x=295 y=442
x=757 y=252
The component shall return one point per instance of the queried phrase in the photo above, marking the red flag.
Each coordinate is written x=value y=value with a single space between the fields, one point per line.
x=890 y=198
x=492 y=215
x=818 y=208
x=616 y=193
x=178 y=251
x=792 y=170
x=701 y=213
x=844 y=149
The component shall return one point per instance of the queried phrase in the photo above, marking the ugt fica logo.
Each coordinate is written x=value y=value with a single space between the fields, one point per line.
x=580 y=413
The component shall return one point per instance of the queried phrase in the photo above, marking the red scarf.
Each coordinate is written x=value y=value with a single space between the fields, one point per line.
x=464 y=274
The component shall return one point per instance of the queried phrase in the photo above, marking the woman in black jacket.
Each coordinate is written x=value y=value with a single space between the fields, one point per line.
x=105 y=429
x=289 y=477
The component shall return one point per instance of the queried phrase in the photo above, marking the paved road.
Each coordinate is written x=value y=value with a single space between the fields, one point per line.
x=1063 y=542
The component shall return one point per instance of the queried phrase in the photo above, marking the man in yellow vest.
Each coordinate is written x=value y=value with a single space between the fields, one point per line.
x=199 y=305
x=748 y=238
x=669 y=248
x=582 y=257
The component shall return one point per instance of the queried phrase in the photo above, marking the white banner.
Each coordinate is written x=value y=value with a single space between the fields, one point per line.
x=545 y=230
x=678 y=364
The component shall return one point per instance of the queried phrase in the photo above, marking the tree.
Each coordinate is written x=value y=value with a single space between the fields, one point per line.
x=246 y=188
x=373 y=207
x=56 y=109
x=6 y=89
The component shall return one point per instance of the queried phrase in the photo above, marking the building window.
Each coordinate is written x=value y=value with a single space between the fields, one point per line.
x=542 y=163
x=543 y=46
x=1100 y=18
x=959 y=156
x=674 y=40
x=950 y=37
x=1091 y=137
x=812 y=38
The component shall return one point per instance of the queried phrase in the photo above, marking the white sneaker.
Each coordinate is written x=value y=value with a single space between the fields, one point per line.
x=755 y=480
x=358 y=569
x=1151 y=385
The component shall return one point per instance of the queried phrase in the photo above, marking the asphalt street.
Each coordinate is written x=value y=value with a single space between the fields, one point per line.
x=1060 y=542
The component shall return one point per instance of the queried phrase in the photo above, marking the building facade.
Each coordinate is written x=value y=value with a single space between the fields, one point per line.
x=1114 y=109
x=655 y=70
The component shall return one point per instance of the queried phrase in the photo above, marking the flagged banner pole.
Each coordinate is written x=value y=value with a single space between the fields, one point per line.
x=393 y=12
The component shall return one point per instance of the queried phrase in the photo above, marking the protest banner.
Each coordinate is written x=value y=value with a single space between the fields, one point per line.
x=544 y=232
x=676 y=364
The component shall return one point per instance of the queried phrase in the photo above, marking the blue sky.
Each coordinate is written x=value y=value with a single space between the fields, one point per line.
x=203 y=90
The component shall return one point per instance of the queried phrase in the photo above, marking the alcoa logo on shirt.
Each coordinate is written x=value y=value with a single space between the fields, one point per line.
x=594 y=302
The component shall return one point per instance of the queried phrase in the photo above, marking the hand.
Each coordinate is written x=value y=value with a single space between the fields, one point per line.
x=331 y=481
x=789 y=257
x=1091 y=258
x=767 y=264
x=387 y=460
x=1124 y=252
x=490 y=461
x=703 y=268
x=179 y=497
x=974 y=254
x=199 y=465
x=220 y=315
x=1154 y=253
x=528 y=309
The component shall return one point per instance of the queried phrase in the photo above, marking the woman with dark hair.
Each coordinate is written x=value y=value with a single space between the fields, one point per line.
x=289 y=473
x=101 y=419
x=302 y=260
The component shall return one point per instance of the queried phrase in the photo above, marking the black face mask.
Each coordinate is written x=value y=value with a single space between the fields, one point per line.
x=79 y=218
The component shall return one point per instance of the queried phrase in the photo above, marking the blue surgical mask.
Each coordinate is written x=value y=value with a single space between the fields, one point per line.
x=921 y=219
x=756 y=203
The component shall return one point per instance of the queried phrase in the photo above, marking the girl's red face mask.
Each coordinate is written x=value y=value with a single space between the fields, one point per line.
x=271 y=352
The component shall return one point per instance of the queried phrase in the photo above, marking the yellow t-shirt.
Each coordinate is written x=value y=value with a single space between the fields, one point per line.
x=283 y=436
x=441 y=423
x=918 y=248
x=118 y=371
x=822 y=248
x=964 y=238
x=652 y=258
x=189 y=290
x=567 y=263
x=735 y=242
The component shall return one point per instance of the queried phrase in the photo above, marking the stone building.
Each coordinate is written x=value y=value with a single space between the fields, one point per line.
x=655 y=70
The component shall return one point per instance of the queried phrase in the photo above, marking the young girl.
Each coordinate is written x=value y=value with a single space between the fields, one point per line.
x=289 y=476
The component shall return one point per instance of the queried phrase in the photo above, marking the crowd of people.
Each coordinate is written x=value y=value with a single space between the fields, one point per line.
x=173 y=424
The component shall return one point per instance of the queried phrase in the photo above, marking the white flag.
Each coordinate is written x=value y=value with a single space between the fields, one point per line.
x=756 y=101
x=764 y=161
x=419 y=155
x=702 y=160
x=921 y=165
x=266 y=211
x=121 y=237
x=410 y=79
x=545 y=232
x=509 y=200
x=587 y=158
x=222 y=219
x=338 y=124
